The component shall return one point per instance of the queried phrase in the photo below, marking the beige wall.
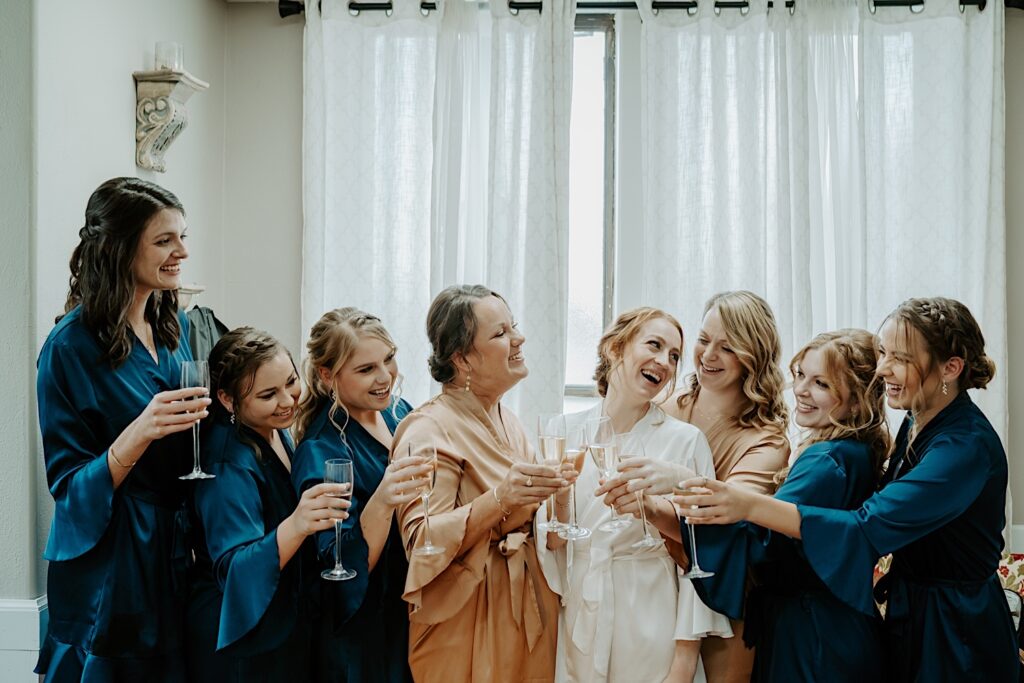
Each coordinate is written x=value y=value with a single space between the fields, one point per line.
x=1015 y=252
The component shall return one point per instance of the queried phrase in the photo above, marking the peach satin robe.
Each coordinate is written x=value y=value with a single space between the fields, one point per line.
x=484 y=612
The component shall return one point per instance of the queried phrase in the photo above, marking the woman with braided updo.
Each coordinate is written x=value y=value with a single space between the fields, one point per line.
x=939 y=511
x=115 y=439
x=249 y=609
x=350 y=410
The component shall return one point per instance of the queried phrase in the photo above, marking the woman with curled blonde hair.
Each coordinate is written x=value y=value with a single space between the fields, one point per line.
x=942 y=496
x=840 y=407
x=351 y=410
x=734 y=396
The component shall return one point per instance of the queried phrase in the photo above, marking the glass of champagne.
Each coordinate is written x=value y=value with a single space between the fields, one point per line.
x=338 y=471
x=551 y=437
x=695 y=571
x=195 y=373
x=576 y=453
x=429 y=453
x=633 y=447
x=601 y=441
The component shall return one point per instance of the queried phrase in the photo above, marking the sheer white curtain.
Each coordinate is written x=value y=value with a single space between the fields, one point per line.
x=367 y=160
x=414 y=180
x=834 y=160
x=531 y=97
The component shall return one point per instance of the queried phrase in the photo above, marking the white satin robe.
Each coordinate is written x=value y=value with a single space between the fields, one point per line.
x=623 y=608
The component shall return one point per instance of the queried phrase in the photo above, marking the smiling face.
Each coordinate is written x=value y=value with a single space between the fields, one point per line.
x=495 y=363
x=649 y=360
x=718 y=368
x=821 y=400
x=366 y=380
x=270 y=402
x=161 y=249
x=902 y=364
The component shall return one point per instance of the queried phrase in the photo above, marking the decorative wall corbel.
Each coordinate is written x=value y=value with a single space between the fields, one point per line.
x=160 y=112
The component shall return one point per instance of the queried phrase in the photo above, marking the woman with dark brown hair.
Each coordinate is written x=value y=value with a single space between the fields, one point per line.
x=481 y=609
x=940 y=510
x=250 y=611
x=112 y=419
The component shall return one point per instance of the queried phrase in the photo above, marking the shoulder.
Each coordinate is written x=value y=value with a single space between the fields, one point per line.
x=842 y=454
x=673 y=427
x=975 y=442
x=70 y=344
x=678 y=405
x=221 y=444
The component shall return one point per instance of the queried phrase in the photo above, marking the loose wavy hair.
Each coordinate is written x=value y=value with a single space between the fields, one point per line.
x=332 y=340
x=620 y=333
x=754 y=337
x=102 y=282
x=850 y=357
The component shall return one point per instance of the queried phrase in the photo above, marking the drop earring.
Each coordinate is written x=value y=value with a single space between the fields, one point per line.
x=945 y=389
x=469 y=376
x=232 y=418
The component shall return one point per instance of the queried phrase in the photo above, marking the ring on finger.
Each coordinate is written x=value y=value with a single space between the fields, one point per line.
x=529 y=480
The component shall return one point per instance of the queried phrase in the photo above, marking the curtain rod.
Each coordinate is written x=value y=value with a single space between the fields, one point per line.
x=287 y=8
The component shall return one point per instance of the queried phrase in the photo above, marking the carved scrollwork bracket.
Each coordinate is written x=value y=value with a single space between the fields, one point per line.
x=160 y=113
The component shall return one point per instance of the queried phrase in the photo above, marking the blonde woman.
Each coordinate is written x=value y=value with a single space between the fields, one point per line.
x=351 y=409
x=619 y=611
x=735 y=397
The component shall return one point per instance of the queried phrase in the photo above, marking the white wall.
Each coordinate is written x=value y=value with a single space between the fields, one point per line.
x=262 y=259
x=1015 y=252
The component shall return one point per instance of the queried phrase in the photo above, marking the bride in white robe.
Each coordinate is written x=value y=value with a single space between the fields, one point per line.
x=623 y=608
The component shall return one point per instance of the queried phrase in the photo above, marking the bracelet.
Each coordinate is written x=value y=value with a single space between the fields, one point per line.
x=504 y=513
x=127 y=467
x=561 y=506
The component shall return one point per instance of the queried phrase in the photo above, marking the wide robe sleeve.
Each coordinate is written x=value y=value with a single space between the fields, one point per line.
x=246 y=562
x=76 y=461
x=308 y=467
x=844 y=545
x=818 y=478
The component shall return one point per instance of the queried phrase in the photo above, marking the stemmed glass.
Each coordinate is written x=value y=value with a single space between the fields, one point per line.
x=695 y=571
x=429 y=453
x=551 y=437
x=195 y=373
x=575 y=452
x=633 y=447
x=601 y=440
x=338 y=471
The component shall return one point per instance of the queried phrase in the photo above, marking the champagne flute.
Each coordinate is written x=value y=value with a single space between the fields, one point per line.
x=195 y=373
x=338 y=471
x=633 y=447
x=429 y=453
x=576 y=453
x=695 y=571
x=601 y=438
x=551 y=436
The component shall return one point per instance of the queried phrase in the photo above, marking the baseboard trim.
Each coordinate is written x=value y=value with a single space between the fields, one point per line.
x=21 y=624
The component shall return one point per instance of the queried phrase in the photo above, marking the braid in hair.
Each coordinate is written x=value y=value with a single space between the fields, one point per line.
x=234 y=361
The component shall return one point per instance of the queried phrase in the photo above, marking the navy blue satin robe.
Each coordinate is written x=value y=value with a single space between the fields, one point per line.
x=248 y=619
x=364 y=630
x=115 y=583
x=800 y=629
x=940 y=512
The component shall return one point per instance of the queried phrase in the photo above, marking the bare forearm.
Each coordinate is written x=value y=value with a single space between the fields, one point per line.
x=662 y=514
x=122 y=455
x=289 y=540
x=777 y=515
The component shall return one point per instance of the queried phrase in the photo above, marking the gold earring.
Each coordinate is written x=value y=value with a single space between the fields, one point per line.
x=468 y=378
x=945 y=389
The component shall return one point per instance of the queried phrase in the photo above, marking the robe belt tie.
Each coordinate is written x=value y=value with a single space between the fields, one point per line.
x=523 y=573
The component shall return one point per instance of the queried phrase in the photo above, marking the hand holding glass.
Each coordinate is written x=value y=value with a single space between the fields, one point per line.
x=695 y=571
x=575 y=453
x=338 y=471
x=633 y=447
x=429 y=455
x=195 y=373
x=551 y=439
x=601 y=441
